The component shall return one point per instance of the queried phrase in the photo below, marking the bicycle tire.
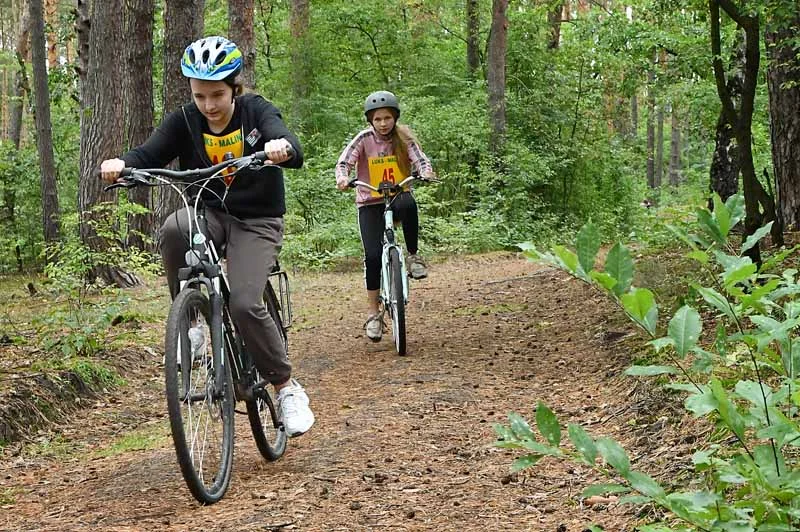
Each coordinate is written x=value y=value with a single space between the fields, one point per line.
x=265 y=423
x=397 y=302
x=201 y=418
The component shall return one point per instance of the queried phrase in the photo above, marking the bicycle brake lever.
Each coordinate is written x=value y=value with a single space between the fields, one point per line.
x=120 y=184
x=130 y=179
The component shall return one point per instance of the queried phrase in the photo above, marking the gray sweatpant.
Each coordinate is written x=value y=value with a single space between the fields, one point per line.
x=252 y=246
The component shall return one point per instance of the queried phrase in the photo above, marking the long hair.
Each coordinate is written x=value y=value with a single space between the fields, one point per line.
x=401 y=137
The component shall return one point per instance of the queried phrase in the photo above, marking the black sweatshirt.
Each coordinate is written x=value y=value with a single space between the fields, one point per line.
x=252 y=194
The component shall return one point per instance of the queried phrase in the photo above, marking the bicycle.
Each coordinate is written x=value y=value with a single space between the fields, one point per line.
x=202 y=388
x=394 y=279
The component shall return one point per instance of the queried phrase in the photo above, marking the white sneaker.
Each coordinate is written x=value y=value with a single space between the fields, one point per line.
x=416 y=267
x=294 y=410
x=197 y=338
x=374 y=327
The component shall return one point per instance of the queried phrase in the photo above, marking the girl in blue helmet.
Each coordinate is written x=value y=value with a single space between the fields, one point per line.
x=222 y=119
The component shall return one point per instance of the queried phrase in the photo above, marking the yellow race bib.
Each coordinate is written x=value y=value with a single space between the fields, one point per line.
x=217 y=147
x=384 y=169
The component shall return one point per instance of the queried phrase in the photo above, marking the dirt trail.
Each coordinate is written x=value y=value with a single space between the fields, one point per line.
x=401 y=443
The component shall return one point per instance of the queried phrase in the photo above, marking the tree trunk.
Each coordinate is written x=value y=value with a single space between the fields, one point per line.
x=725 y=162
x=138 y=107
x=634 y=115
x=240 y=31
x=783 y=82
x=44 y=133
x=51 y=19
x=16 y=107
x=724 y=171
x=754 y=194
x=496 y=74
x=554 y=20
x=659 y=175
x=651 y=131
x=473 y=33
x=82 y=29
x=675 y=149
x=301 y=63
x=183 y=23
x=20 y=83
x=101 y=119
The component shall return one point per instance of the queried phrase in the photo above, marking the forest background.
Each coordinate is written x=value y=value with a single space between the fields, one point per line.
x=537 y=115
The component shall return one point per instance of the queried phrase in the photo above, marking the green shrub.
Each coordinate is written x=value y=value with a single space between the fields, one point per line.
x=750 y=477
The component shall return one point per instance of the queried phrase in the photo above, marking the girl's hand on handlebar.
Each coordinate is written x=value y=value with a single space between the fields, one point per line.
x=278 y=151
x=110 y=169
x=342 y=184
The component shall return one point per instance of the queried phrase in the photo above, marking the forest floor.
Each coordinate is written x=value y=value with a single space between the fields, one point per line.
x=400 y=443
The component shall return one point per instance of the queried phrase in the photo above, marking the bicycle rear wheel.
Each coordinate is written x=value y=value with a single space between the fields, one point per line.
x=200 y=414
x=265 y=421
x=397 y=302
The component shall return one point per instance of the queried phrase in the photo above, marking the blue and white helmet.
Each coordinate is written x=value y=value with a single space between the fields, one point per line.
x=212 y=59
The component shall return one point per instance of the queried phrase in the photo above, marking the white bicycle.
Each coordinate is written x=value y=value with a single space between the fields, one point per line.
x=394 y=279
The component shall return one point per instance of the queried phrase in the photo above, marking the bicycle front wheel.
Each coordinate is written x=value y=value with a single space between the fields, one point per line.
x=397 y=301
x=265 y=422
x=200 y=411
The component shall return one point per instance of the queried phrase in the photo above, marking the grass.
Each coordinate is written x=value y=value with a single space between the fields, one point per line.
x=54 y=447
x=8 y=496
x=148 y=437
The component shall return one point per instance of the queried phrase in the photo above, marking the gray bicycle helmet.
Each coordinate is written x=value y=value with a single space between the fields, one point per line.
x=379 y=100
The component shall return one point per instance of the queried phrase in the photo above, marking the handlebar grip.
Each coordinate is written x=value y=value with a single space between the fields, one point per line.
x=261 y=156
x=125 y=172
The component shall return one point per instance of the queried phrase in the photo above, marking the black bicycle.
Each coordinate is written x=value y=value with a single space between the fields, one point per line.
x=207 y=366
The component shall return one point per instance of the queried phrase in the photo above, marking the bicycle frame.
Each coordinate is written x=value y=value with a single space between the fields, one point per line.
x=389 y=244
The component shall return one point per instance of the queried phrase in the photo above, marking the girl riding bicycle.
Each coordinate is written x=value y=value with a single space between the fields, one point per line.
x=244 y=215
x=383 y=151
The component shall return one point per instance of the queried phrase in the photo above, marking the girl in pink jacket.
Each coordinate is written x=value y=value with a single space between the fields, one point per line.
x=385 y=145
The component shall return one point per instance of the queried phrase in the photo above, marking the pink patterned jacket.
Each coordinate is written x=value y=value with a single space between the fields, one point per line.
x=369 y=143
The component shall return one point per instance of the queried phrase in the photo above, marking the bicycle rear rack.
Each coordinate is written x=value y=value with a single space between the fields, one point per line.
x=284 y=296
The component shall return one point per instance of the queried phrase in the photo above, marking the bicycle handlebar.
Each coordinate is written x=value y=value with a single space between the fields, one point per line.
x=132 y=177
x=388 y=186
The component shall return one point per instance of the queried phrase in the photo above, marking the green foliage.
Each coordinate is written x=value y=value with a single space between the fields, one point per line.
x=80 y=323
x=750 y=484
x=571 y=151
x=21 y=225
